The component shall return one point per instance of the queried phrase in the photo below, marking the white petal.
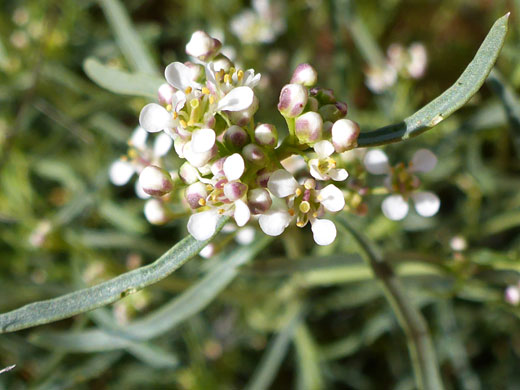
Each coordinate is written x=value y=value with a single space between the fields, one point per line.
x=324 y=149
x=179 y=75
x=120 y=172
x=202 y=225
x=207 y=251
x=423 y=161
x=138 y=139
x=332 y=198
x=274 y=222
x=338 y=174
x=234 y=167
x=426 y=203
x=154 y=118
x=194 y=158
x=395 y=207
x=154 y=212
x=245 y=236
x=281 y=183
x=162 y=144
x=313 y=169
x=237 y=99
x=178 y=100
x=242 y=213
x=178 y=145
x=376 y=162
x=202 y=140
x=324 y=231
x=139 y=191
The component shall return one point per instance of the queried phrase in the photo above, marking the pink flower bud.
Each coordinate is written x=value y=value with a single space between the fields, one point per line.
x=259 y=200
x=262 y=177
x=344 y=135
x=254 y=154
x=343 y=108
x=202 y=46
x=196 y=194
x=242 y=118
x=266 y=135
x=236 y=137
x=165 y=93
x=188 y=173
x=305 y=75
x=155 y=181
x=308 y=127
x=234 y=190
x=293 y=99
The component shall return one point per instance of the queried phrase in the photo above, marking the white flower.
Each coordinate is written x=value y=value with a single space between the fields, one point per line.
x=380 y=79
x=120 y=172
x=262 y=24
x=323 y=167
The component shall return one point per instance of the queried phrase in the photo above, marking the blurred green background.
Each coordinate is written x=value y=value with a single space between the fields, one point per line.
x=63 y=225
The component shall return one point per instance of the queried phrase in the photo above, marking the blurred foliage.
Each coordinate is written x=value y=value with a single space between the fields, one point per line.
x=298 y=316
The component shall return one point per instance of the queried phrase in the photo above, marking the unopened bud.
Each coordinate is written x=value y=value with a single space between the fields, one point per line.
x=197 y=70
x=155 y=181
x=308 y=127
x=293 y=99
x=196 y=194
x=155 y=212
x=312 y=104
x=343 y=108
x=344 y=135
x=266 y=135
x=188 y=173
x=254 y=154
x=329 y=112
x=305 y=75
x=259 y=200
x=165 y=93
x=221 y=62
x=236 y=137
x=202 y=46
x=327 y=130
x=234 y=190
x=512 y=295
x=324 y=95
x=242 y=118
x=262 y=177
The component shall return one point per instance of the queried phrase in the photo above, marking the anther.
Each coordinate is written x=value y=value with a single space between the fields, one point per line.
x=188 y=90
x=298 y=191
x=169 y=107
x=205 y=91
x=202 y=202
x=240 y=74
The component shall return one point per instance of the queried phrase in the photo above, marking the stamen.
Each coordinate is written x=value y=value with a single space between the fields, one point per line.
x=175 y=115
x=291 y=212
x=221 y=211
x=205 y=91
x=202 y=202
x=183 y=123
x=298 y=191
x=240 y=74
x=232 y=70
x=132 y=153
x=227 y=79
x=211 y=100
x=188 y=90
x=300 y=224
x=169 y=107
x=305 y=207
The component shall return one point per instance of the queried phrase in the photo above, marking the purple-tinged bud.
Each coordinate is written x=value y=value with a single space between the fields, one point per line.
x=259 y=201
x=156 y=181
x=266 y=135
x=155 y=212
x=312 y=104
x=188 y=173
x=324 y=95
x=196 y=194
x=254 y=154
x=234 y=190
x=308 y=127
x=165 y=93
x=242 y=118
x=344 y=135
x=262 y=177
x=329 y=112
x=343 y=108
x=236 y=137
x=202 y=46
x=197 y=70
x=305 y=75
x=293 y=99
x=221 y=62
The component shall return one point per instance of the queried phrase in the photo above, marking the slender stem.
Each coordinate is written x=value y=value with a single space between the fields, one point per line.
x=420 y=344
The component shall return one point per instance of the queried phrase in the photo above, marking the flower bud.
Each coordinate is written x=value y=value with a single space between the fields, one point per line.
x=343 y=108
x=221 y=62
x=188 y=173
x=329 y=112
x=197 y=70
x=308 y=127
x=242 y=118
x=259 y=200
x=195 y=194
x=305 y=75
x=344 y=135
x=293 y=99
x=165 y=93
x=324 y=95
x=327 y=130
x=202 y=46
x=262 y=177
x=155 y=181
x=234 y=190
x=236 y=137
x=155 y=212
x=266 y=135
x=254 y=154
x=312 y=104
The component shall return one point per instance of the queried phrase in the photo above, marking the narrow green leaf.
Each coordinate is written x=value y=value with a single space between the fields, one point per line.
x=451 y=100
x=309 y=372
x=163 y=319
x=120 y=81
x=127 y=37
x=43 y=312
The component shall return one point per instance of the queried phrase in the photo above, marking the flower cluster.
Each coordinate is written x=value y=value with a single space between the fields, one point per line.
x=232 y=165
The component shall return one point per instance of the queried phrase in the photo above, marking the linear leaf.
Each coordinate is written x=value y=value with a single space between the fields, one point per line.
x=127 y=37
x=68 y=305
x=451 y=100
x=120 y=81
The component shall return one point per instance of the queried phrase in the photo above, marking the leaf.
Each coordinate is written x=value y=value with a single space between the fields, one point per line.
x=309 y=372
x=84 y=300
x=451 y=100
x=127 y=37
x=120 y=81
x=163 y=319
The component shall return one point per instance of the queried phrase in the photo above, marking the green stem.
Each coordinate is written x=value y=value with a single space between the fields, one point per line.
x=420 y=345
